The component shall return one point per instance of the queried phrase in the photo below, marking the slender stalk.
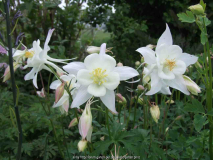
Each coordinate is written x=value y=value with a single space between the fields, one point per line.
x=209 y=92
x=6 y=7
x=136 y=103
x=107 y=118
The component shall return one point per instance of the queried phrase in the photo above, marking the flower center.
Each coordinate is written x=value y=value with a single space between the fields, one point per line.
x=29 y=54
x=98 y=76
x=170 y=63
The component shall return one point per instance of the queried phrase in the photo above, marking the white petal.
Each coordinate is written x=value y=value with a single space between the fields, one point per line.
x=19 y=53
x=178 y=83
x=188 y=59
x=156 y=84
x=84 y=77
x=54 y=66
x=81 y=97
x=165 y=90
x=168 y=52
x=57 y=60
x=46 y=47
x=89 y=134
x=103 y=49
x=165 y=73
x=46 y=68
x=74 y=67
x=180 y=67
x=109 y=100
x=94 y=61
x=166 y=38
x=35 y=80
x=30 y=75
x=36 y=48
x=66 y=105
x=55 y=84
x=62 y=100
x=148 y=54
x=96 y=90
x=125 y=72
x=112 y=81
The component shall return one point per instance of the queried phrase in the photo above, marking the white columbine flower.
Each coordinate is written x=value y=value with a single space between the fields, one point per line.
x=166 y=65
x=38 y=59
x=98 y=77
x=62 y=97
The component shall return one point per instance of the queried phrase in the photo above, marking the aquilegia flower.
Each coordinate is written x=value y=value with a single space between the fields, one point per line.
x=61 y=95
x=166 y=65
x=98 y=77
x=38 y=59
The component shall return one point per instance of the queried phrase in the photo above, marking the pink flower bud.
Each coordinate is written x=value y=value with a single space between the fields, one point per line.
x=59 y=92
x=73 y=123
x=7 y=71
x=119 y=64
x=41 y=93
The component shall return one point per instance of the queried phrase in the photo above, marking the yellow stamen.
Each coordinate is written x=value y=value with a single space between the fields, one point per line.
x=171 y=63
x=29 y=54
x=98 y=76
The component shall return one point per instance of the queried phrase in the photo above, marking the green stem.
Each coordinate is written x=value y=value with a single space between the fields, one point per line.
x=107 y=118
x=6 y=7
x=136 y=103
x=59 y=148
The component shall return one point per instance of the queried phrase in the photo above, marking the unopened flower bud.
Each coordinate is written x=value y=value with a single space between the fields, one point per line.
x=119 y=64
x=140 y=87
x=191 y=86
x=170 y=101
x=198 y=65
x=120 y=98
x=102 y=138
x=73 y=123
x=140 y=101
x=82 y=145
x=94 y=49
x=178 y=118
x=7 y=71
x=137 y=63
x=167 y=129
x=41 y=93
x=197 y=9
x=59 y=92
x=155 y=112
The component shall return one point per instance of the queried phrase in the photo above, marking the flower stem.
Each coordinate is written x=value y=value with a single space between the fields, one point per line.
x=6 y=7
x=136 y=103
x=107 y=118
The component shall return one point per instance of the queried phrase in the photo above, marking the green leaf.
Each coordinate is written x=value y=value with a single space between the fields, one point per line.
x=203 y=38
x=195 y=107
x=187 y=17
x=199 y=121
x=207 y=21
x=203 y=5
x=210 y=113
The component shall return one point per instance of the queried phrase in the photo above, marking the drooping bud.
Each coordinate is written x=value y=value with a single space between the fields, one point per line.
x=73 y=123
x=170 y=101
x=137 y=63
x=102 y=138
x=140 y=87
x=120 y=98
x=140 y=101
x=119 y=64
x=197 y=9
x=178 y=118
x=59 y=92
x=166 y=130
x=191 y=85
x=7 y=71
x=198 y=65
x=41 y=93
x=155 y=112
x=85 y=122
x=82 y=145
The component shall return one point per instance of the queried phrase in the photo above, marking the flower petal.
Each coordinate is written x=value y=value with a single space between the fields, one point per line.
x=74 y=67
x=109 y=100
x=96 y=90
x=112 y=81
x=188 y=59
x=66 y=105
x=81 y=97
x=103 y=49
x=84 y=77
x=156 y=83
x=55 y=84
x=148 y=54
x=178 y=83
x=166 y=38
x=30 y=75
x=89 y=134
x=180 y=67
x=46 y=47
x=62 y=100
x=94 y=61
x=125 y=72
x=165 y=90
x=165 y=73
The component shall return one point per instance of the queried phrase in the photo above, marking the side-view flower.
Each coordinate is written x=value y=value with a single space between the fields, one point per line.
x=166 y=65
x=99 y=77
